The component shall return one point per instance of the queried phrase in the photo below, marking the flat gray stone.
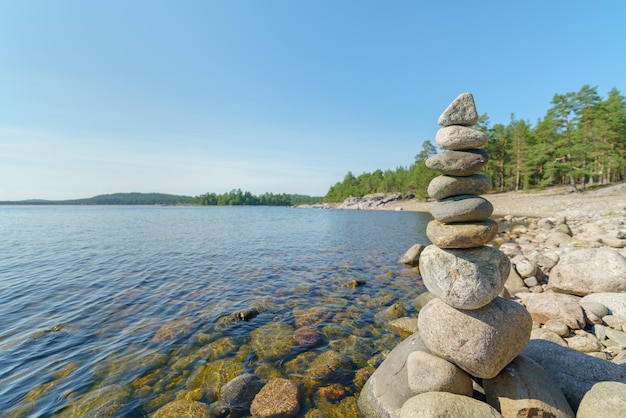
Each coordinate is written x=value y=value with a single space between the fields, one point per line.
x=462 y=208
x=525 y=386
x=550 y=305
x=604 y=400
x=444 y=405
x=458 y=163
x=462 y=111
x=589 y=270
x=574 y=372
x=388 y=388
x=464 y=278
x=457 y=137
x=481 y=341
x=445 y=186
x=461 y=235
x=428 y=373
x=614 y=302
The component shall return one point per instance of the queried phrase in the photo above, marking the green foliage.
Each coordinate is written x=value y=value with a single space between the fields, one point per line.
x=580 y=141
x=413 y=179
x=237 y=197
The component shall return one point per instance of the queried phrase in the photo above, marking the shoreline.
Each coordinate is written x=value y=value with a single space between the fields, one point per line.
x=609 y=201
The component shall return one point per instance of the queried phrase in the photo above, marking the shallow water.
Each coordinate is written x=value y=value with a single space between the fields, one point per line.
x=124 y=309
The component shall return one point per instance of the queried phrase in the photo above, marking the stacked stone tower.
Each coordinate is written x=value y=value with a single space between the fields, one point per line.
x=467 y=324
x=467 y=331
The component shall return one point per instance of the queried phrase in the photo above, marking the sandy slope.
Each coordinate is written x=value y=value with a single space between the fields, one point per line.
x=547 y=203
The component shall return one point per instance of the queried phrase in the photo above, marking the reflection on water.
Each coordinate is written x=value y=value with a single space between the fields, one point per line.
x=124 y=309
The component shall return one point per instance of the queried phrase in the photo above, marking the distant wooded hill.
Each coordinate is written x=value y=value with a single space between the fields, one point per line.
x=233 y=198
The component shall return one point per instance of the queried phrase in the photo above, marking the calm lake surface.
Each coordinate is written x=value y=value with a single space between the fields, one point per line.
x=116 y=311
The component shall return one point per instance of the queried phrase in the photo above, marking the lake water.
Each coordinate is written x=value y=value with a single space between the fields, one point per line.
x=116 y=311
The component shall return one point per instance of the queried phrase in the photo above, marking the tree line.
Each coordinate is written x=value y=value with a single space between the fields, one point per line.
x=581 y=141
x=237 y=197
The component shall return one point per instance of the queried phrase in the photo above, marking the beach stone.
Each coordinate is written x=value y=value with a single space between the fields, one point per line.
x=462 y=235
x=524 y=386
x=388 y=389
x=557 y=326
x=182 y=409
x=457 y=137
x=604 y=400
x=595 y=308
x=550 y=305
x=422 y=299
x=464 y=278
x=514 y=282
x=480 y=341
x=462 y=208
x=404 y=326
x=591 y=270
x=462 y=111
x=445 y=186
x=548 y=335
x=585 y=343
x=573 y=372
x=277 y=399
x=458 y=163
x=620 y=358
x=558 y=238
x=615 y=322
x=412 y=256
x=526 y=269
x=617 y=336
x=428 y=373
x=444 y=404
x=614 y=242
x=614 y=302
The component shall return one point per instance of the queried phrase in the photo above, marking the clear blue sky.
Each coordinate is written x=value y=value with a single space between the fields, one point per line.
x=189 y=97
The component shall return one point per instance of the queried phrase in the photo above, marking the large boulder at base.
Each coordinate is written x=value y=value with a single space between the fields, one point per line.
x=550 y=305
x=589 y=270
x=573 y=372
x=464 y=278
x=183 y=409
x=458 y=163
x=614 y=302
x=277 y=399
x=388 y=388
x=445 y=186
x=444 y=404
x=462 y=235
x=457 y=137
x=524 y=386
x=462 y=111
x=604 y=400
x=480 y=341
x=462 y=208
x=428 y=373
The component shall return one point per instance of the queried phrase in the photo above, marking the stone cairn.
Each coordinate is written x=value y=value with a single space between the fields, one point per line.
x=467 y=332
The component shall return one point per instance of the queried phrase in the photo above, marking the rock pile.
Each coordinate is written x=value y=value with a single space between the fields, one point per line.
x=467 y=334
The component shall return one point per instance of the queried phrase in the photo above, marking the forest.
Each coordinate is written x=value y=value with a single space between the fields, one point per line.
x=581 y=141
x=239 y=198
